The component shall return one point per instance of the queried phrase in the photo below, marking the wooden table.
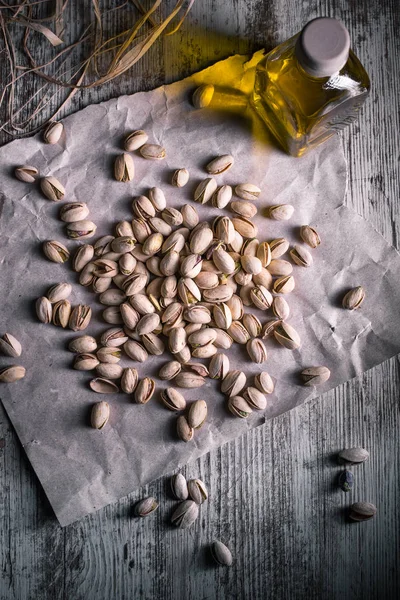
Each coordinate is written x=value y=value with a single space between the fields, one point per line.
x=273 y=496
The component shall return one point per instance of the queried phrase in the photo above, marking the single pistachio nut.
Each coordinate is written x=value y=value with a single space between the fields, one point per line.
x=144 y=390
x=280 y=308
x=252 y=324
x=26 y=173
x=315 y=375
x=103 y=245
x=123 y=229
x=279 y=267
x=52 y=189
x=101 y=284
x=100 y=385
x=80 y=317
x=112 y=297
x=221 y=554
x=140 y=228
x=135 y=351
x=235 y=305
x=10 y=346
x=263 y=382
x=354 y=298
x=146 y=507
x=100 y=415
x=203 y=95
x=197 y=414
x=219 y=294
x=179 y=487
x=177 y=339
x=251 y=264
x=257 y=351
x=135 y=140
x=245 y=227
x=353 y=456
x=109 y=370
x=127 y=264
x=153 y=344
x=255 y=398
x=186 y=514
x=82 y=257
x=238 y=332
x=278 y=247
x=113 y=337
x=74 y=211
x=123 y=245
x=44 y=310
x=129 y=380
x=83 y=344
x=263 y=278
x=223 y=339
x=60 y=291
x=247 y=191
x=201 y=337
x=124 y=168
x=152 y=152
x=55 y=251
x=239 y=407
x=362 y=511
x=188 y=291
x=85 y=362
x=61 y=313
x=170 y=370
x=287 y=336
x=245 y=294
x=223 y=261
x=224 y=229
x=180 y=178
x=281 y=212
x=197 y=491
x=184 y=431
x=134 y=284
x=233 y=383
x=222 y=316
x=284 y=285
x=346 y=480
x=205 y=190
x=261 y=297
x=53 y=132
x=173 y=399
x=197 y=368
x=112 y=315
x=220 y=164
x=200 y=240
x=81 y=230
x=264 y=254
x=243 y=208
x=147 y=324
x=142 y=304
x=189 y=380
x=301 y=256
x=108 y=354
x=237 y=243
x=157 y=198
x=219 y=366
x=269 y=328
x=310 y=236
x=190 y=217
x=12 y=374
x=222 y=196
x=206 y=280
x=143 y=207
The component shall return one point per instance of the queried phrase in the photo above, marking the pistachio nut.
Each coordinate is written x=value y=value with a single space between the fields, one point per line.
x=278 y=247
x=53 y=132
x=61 y=313
x=263 y=382
x=206 y=280
x=315 y=375
x=184 y=431
x=200 y=240
x=310 y=236
x=250 y=247
x=85 y=362
x=112 y=297
x=220 y=164
x=146 y=507
x=245 y=227
x=222 y=316
x=197 y=491
x=142 y=304
x=202 y=337
x=281 y=212
x=245 y=294
x=237 y=243
x=257 y=351
x=172 y=217
x=301 y=256
x=44 y=310
x=251 y=264
x=191 y=266
x=190 y=217
x=247 y=191
x=186 y=514
x=60 y=291
x=280 y=308
x=26 y=173
x=233 y=383
x=221 y=554
x=177 y=339
x=264 y=254
x=109 y=370
x=238 y=332
x=113 y=337
x=129 y=380
x=279 y=267
x=147 y=324
x=143 y=207
x=52 y=189
x=269 y=328
x=362 y=511
x=109 y=354
x=264 y=278
x=197 y=414
x=80 y=317
x=188 y=291
x=153 y=244
x=157 y=198
x=152 y=152
x=10 y=346
x=224 y=229
x=252 y=324
x=135 y=351
x=170 y=370
x=112 y=315
x=353 y=456
x=197 y=314
x=103 y=267
x=189 y=380
x=223 y=261
x=287 y=336
x=243 y=208
x=222 y=196
x=135 y=140
x=180 y=178
x=81 y=230
x=100 y=415
x=219 y=294
x=74 y=211
x=239 y=407
x=354 y=298
x=261 y=297
x=123 y=244
x=103 y=245
x=255 y=399
x=223 y=339
x=219 y=366
x=153 y=265
x=144 y=390
x=82 y=257
x=205 y=351
x=173 y=399
x=141 y=229
x=55 y=251
x=205 y=190
x=284 y=285
x=12 y=374
x=123 y=229
x=127 y=264
x=153 y=344
x=134 y=284
x=179 y=487
x=100 y=385
x=203 y=95
x=235 y=305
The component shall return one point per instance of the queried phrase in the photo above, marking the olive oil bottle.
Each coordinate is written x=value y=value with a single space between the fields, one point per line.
x=310 y=86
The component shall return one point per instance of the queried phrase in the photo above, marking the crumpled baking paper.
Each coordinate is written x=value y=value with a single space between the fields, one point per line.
x=83 y=470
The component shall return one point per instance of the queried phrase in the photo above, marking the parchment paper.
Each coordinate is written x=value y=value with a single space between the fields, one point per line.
x=82 y=469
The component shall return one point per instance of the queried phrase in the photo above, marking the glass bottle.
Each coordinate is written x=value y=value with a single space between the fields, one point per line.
x=310 y=86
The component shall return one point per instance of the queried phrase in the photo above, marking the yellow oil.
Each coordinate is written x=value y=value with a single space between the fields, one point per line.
x=303 y=111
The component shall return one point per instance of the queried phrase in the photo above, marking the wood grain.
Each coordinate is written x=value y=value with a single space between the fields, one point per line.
x=273 y=497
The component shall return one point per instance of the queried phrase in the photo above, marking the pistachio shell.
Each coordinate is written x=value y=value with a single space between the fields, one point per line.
x=53 y=132
x=203 y=95
x=52 y=189
x=287 y=336
x=221 y=554
x=362 y=511
x=152 y=152
x=170 y=370
x=135 y=140
x=353 y=456
x=100 y=415
x=281 y=212
x=220 y=164
x=179 y=487
x=354 y=298
x=310 y=236
x=103 y=386
x=12 y=374
x=184 y=431
x=233 y=383
x=239 y=407
x=255 y=398
x=205 y=190
x=315 y=375
x=189 y=380
x=146 y=507
x=129 y=380
x=222 y=196
x=197 y=414
x=180 y=178
x=26 y=173
x=144 y=390
x=247 y=191
x=10 y=346
x=264 y=383
x=55 y=251
x=186 y=514
x=257 y=351
x=197 y=491
x=173 y=399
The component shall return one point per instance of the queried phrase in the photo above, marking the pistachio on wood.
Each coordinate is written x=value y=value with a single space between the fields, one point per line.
x=362 y=511
x=221 y=554
x=179 y=487
x=186 y=514
x=353 y=456
x=146 y=507
x=197 y=491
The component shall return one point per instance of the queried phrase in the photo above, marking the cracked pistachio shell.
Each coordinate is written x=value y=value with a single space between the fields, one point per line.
x=220 y=164
x=261 y=297
x=205 y=190
x=26 y=173
x=200 y=240
x=310 y=236
x=61 y=313
x=123 y=244
x=191 y=265
x=223 y=339
x=81 y=230
x=235 y=305
x=143 y=207
x=180 y=178
x=173 y=399
x=287 y=336
x=153 y=344
x=245 y=227
x=233 y=383
x=53 y=132
x=113 y=337
x=153 y=152
x=44 y=310
x=205 y=351
x=183 y=429
x=134 y=284
x=10 y=346
x=179 y=487
x=201 y=337
x=109 y=355
x=197 y=491
x=186 y=514
x=222 y=196
x=52 y=189
x=100 y=385
x=172 y=216
x=74 y=211
x=135 y=140
x=301 y=256
x=55 y=251
x=129 y=380
x=224 y=229
x=80 y=317
x=146 y=507
x=263 y=382
x=82 y=257
x=264 y=254
x=124 y=168
x=219 y=366
x=257 y=351
x=284 y=285
x=353 y=456
x=85 y=362
x=247 y=191
x=188 y=291
x=223 y=261
x=100 y=415
x=222 y=316
x=170 y=370
x=189 y=380
x=354 y=298
x=221 y=293
x=172 y=314
x=315 y=375
x=197 y=414
x=60 y=291
x=127 y=264
x=239 y=407
x=202 y=96
x=281 y=212
x=269 y=328
x=252 y=324
x=238 y=332
x=141 y=229
x=12 y=374
x=103 y=245
x=197 y=368
x=255 y=398
x=278 y=247
x=169 y=264
x=147 y=324
x=221 y=554
x=144 y=390
x=362 y=511
x=280 y=308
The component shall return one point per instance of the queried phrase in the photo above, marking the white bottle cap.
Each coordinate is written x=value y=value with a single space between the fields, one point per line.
x=322 y=47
